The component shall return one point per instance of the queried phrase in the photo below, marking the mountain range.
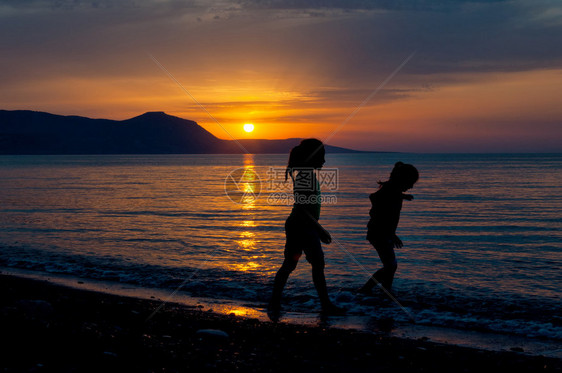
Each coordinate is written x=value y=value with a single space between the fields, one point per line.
x=33 y=132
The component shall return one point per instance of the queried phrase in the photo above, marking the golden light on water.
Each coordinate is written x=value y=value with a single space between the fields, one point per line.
x=250 y=189
x=247 y=239
x=243 y=185
x=249 y=223
x=237 y=311
x=250 y=257
x=250 y=183
x=248 y=252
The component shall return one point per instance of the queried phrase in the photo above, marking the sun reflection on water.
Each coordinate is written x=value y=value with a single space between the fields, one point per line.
x=250 y=183
x=249 y=256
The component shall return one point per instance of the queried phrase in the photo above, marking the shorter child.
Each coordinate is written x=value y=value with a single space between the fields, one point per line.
x=385 y=214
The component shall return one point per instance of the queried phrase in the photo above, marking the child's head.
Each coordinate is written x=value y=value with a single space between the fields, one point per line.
x=405 y=175
x=308 y=154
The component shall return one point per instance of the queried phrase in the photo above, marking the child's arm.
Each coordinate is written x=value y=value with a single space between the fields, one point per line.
x=325 y=236
x=407 y=197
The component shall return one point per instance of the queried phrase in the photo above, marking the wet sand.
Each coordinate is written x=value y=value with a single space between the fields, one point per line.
x=52 y=328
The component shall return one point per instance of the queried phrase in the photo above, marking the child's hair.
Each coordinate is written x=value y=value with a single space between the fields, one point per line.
x=308 y=154
x=403 y=173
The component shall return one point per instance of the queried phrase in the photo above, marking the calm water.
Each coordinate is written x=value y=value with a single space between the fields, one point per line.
x=483 y=239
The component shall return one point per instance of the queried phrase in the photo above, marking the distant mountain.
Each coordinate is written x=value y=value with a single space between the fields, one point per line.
x=31 y=132
x=284 y=146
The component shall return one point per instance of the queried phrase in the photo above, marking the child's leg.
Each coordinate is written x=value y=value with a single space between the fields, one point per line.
x=315 y=256
x=385 y=275
x=369 y=285
x=328 y=308
x=288 y=266
x=320 y=282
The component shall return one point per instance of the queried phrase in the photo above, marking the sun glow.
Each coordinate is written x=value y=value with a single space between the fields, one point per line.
x=248 y=127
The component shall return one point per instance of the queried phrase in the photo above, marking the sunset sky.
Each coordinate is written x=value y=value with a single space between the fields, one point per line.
x=443 y=75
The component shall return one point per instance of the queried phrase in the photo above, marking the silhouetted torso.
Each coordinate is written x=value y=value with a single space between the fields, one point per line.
x=385 y=212
x=306 y=191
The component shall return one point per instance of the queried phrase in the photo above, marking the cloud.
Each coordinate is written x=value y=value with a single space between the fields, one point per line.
x=361 y=4
x=351 y=41
x=451 y=35
x=324 y=54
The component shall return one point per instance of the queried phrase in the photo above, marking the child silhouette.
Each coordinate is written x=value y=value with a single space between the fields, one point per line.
x=302 y=230
x=385 y=214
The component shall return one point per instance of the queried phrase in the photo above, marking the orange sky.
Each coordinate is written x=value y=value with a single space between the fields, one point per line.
x=298 y=72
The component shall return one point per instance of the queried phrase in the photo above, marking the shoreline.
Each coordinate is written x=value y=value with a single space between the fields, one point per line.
x=51 y=327
x=480 y=340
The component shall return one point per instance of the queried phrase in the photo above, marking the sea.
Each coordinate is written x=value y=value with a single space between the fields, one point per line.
x=481 y=264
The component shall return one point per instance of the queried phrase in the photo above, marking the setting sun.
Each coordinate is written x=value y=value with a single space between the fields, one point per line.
x=248 y=127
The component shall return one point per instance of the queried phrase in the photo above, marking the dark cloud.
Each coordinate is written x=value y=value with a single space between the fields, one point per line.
x=332 y=51
x=65 y=4
x=347 y=40
x=452 y=36
x=362 y=4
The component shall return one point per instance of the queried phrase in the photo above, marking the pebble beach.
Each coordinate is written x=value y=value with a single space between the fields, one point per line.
x=53 y=328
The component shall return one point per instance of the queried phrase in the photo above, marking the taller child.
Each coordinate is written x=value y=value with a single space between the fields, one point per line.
x=302 y=229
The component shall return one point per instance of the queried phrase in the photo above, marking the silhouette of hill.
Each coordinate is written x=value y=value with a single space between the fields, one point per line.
x=283 y=146
x=32 y=132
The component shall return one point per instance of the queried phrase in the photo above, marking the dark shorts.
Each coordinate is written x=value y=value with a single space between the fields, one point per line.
x=302 y=237
x=385 y=249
